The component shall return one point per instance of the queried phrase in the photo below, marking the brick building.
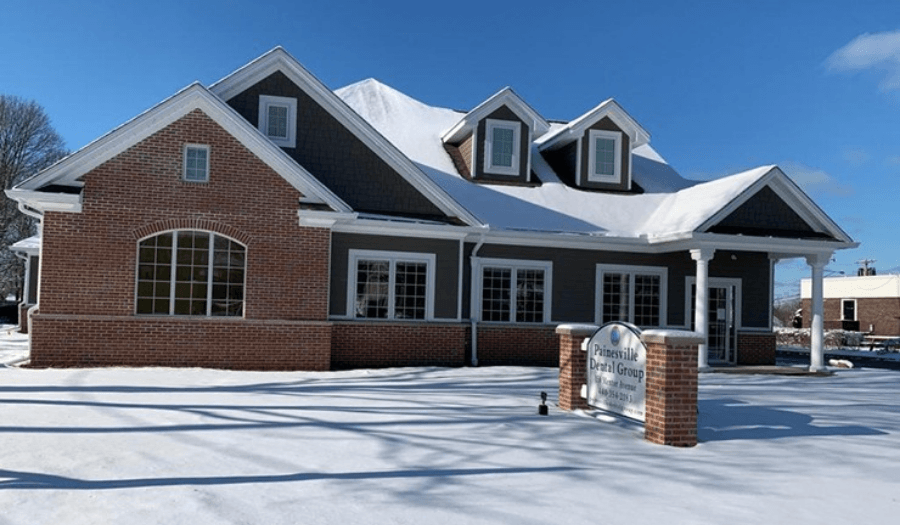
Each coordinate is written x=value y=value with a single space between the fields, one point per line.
x=267 y=222
x=865 y=303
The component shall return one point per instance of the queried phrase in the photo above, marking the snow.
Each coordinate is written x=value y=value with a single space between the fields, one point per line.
x=435 y=446
x=670 y=204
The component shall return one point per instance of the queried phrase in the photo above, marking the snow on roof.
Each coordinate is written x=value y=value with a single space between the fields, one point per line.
x=670 y=203
x=30 y=245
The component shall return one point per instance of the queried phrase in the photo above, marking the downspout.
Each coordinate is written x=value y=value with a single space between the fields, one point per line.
x=473 y=293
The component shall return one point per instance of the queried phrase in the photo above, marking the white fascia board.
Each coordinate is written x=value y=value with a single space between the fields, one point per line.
x=783 y=247
x=608 y=108
x=280 y=60
x=44 y=202
x=165 y=113
x=792 y=195
x=403 y=229
x=505 y=97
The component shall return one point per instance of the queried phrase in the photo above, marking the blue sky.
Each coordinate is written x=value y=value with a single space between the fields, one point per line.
x=721 y=86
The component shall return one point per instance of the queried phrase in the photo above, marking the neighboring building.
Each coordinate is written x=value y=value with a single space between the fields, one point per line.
x=28 y=250
x=869 y=303
x=267 y=222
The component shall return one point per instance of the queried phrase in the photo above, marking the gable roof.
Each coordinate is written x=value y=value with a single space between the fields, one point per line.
x=608 y=108
x=505 y=97
x=69 y=170
x=281 y=61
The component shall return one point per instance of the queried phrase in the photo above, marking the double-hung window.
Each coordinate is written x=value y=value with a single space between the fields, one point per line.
x=634 y=294
x=278 y=119
x=514 y=291
x=502 y=145
x=196 y=163
x=605 y=157
x=390 y=285
x=189 y=272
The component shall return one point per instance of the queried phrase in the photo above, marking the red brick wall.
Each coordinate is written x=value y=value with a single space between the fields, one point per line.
x=756 y=348
x=89 y=258
x=882 y=313
x=384 y=344
x=518 y=345
x=572 y=367
x=72 y=340
x=671 y=416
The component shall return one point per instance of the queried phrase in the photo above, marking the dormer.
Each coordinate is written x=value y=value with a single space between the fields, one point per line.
x=594 y=150
x=492 y=143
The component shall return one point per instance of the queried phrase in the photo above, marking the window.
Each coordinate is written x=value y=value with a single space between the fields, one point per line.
x=196 y=163
x=188 y=272
x=390 y=285
x=634 y=294
x=848 y=309
x=515 y=291
x=278 y=119
x=501 y=147
x=605 y=162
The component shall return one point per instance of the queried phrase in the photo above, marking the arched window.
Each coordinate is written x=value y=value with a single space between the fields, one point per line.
x=190 y=272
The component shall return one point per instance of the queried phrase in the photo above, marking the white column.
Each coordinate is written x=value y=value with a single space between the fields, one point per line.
x=817 y=305
x=701 y=304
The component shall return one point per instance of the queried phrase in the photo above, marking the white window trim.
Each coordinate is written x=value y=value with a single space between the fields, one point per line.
x=661 y=271
x=392 y=257
x=592 y=156
x=172 y=298
x=855 y=309
x=516 y=127
x=184 y=162
x=513 y=265
x=291 y=104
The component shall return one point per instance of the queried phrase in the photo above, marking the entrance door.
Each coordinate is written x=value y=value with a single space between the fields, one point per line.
x=723 y=318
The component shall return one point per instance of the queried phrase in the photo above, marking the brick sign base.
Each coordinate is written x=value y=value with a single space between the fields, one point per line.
x=671 y=413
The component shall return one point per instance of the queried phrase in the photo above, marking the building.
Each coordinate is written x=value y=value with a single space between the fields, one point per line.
x=267 y=222
x=864 y=303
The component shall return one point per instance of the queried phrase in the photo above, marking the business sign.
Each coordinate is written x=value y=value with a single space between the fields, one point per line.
x=617 y=370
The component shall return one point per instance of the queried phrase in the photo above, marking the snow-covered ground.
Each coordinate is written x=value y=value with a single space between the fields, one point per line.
x=13 y=345
x=435 y=446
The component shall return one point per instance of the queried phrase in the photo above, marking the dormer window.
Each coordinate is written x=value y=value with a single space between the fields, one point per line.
x=278 y=119
x=605 y=160
x=501 y=152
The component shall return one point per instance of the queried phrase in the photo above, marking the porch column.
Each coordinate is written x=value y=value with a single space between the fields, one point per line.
x=701 y=304
x=817 y=305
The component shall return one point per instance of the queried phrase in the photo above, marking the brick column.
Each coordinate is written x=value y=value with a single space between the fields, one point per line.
x=671 y=387
x=572 y=364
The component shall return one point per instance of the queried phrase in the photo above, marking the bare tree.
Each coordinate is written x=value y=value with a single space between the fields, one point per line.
x=785 y=309
x=28 y=144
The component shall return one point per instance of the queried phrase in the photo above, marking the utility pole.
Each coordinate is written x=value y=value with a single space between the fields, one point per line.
x=864 y=267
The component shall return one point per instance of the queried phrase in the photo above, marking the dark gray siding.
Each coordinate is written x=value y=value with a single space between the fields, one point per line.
x=564 y=162
x=446 y=274
x=766 y=214
x=34 y=264
x=753 y=270
x=574 y=279
x=336 y=157
x=502 y=113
